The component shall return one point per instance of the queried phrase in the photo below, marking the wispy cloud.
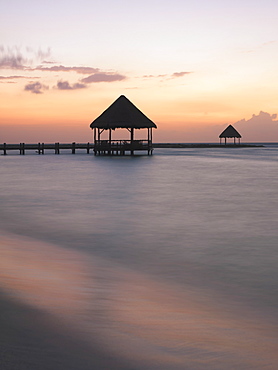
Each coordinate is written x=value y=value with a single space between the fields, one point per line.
x=13 y=58
x=65 y=85
x=24 y=59
x=180 y=74
x=48 y=62
x=13 y=77
x=35 y=87
x=168 y=76
x=61 y=68
x=103 y=77
x=259 y=47
x=154 y=76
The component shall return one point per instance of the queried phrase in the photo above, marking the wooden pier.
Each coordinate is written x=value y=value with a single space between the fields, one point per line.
x=40 y=148
x=101 y=147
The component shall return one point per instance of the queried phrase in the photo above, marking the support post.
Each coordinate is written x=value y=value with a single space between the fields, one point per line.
x=131 y=140
x=109 y=142
x=22 y=148
x=5 y=149
x=57 y=148
x=95 y=140
x=39 y=148
x=88 y=148
x=73 y=148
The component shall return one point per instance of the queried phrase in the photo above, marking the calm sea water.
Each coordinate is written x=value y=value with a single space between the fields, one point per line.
x=167 y=262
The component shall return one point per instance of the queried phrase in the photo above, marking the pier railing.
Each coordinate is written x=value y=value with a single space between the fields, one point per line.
x=121 y=146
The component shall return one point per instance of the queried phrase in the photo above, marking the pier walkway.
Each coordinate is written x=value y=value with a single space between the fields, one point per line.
x=40 y=148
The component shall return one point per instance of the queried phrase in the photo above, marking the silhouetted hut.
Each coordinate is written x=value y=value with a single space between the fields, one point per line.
x=230 y=132
x=121 y=114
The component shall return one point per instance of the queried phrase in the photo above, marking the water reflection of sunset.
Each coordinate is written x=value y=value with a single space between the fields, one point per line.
x=155 y=324
x=42 y=275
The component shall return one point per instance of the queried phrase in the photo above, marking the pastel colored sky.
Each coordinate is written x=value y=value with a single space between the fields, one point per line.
x=191 y=67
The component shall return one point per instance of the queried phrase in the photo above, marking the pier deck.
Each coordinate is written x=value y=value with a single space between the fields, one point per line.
x=40 y=148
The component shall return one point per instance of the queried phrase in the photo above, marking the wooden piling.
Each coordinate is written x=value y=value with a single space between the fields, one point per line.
x=73 y=148
x=21 y=148
x=57 y=148
x=5 y=149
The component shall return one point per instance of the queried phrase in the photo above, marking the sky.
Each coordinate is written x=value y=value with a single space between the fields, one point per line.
x=192 y=67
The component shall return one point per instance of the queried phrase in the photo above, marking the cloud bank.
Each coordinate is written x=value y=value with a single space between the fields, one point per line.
x=263 y=126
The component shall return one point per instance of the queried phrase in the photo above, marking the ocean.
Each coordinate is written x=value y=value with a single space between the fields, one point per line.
x=165 y=262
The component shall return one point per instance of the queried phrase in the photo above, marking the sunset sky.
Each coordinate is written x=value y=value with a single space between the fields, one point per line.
x=191 y=67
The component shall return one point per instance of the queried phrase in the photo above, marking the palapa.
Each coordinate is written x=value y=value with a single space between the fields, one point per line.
x=230 y=132
x=122 y=114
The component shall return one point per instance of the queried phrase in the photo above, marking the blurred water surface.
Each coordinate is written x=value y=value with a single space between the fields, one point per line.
x=171 y=259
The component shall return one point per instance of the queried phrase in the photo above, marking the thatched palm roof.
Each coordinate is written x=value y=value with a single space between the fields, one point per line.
x=122 y=114
x=230 y=131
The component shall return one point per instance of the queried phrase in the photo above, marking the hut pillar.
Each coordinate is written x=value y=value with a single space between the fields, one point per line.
x=110 y=140
x=131 y=139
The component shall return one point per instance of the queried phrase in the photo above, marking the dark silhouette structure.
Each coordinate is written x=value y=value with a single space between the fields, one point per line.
x=230 y=132
x=122 y=114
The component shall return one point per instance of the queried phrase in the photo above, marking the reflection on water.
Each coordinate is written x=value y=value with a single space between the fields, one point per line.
x=169 y=261
x=154 y=325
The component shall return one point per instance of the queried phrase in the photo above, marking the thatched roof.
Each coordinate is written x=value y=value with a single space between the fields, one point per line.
x=122 y=114
x=230 y=131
